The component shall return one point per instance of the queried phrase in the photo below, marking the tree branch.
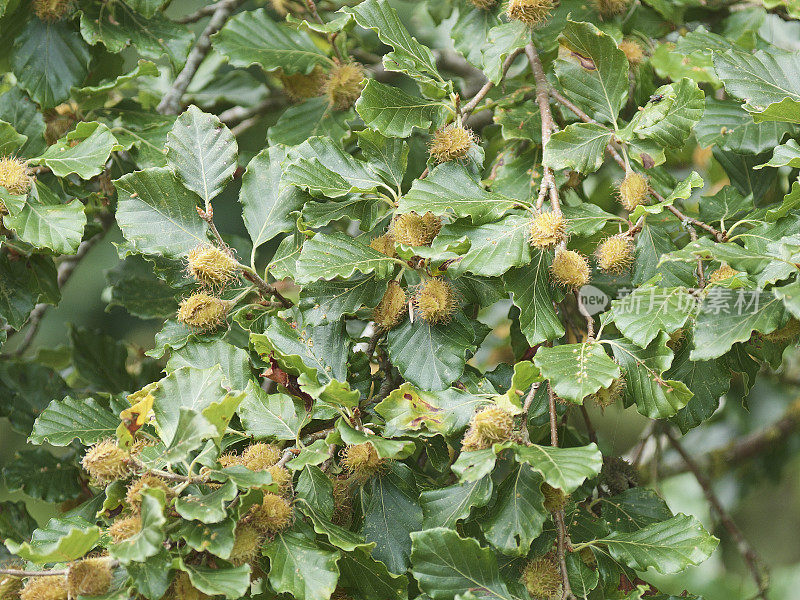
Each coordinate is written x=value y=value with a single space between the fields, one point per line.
x=472 y=104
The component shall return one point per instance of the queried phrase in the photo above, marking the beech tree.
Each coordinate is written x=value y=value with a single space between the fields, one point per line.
x=401 y=257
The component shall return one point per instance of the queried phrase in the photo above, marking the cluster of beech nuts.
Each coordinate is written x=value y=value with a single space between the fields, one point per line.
x=341 y=86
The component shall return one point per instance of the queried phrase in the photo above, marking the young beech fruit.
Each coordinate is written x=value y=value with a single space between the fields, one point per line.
x=548 y=229
x=724 y=272
x=530 y=12
x=413 y=229
x=211 y=266
x=392 y=308
x=260 y=456
x=106 y=462
x=282 y=477
x=342 y=501
x=554 y=498
x=89 y=577
x=490 y=425
x=10 y=585
x=344 y=85
x=59 y=120
x=610 y=8
x=149 y=481
x=789 y=332
x=124 y=528
x=618 y=475
x=483 y=4
x=51 y=10
x=299 y=86
x=436 y=300
x=203 y=311
x=633 y=191
x=570 y=269
x=615 y=254
x=361 y=461
x=45 y=588
x=247 y=542
x=633 y=51
x=542 y=578
x=451 y=143
x=182 y=589
x=271 y=516
x=384 y=244
x=14 y=176
x=605 y=397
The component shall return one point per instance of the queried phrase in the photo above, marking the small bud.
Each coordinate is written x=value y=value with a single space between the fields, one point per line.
x=724 y=272
x=124 y=528
x=570 y=269
x=633 y=191
x=247 y=542
x=273 y=514
x=618 y=475
x=530 y=12
x=282 y=477
x=548 y=229
x=14 y=176
x=554 y=498
x=203 y=311
x=299 y=86
x=106 y=462
x=391 y=310
x=384 y=244
x=89 y=577
x=361 y=461
x=615 y=254
x=51 y=10
x=451 y=143
x=412 y=229
x=605 y=397
x=45 y=588
x=542 y=578
x=344 y=84
x=633 y=51
x=211 y=266
x=610 y=8
x=436 y=300
x=260 y=456
x=148 y=481
x=483 y=4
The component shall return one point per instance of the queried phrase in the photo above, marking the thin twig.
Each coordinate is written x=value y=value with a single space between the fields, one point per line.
x=23 y=573
x=331 y=37
x=756 y=566
x=200 y=13
x=171 y=102
x=238 y=114
x=588 y=422
x=472 y=104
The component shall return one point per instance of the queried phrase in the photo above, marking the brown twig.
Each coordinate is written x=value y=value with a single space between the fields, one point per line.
x=332 y=37
x=467 y=109
x=205 y=11
x=755 y=565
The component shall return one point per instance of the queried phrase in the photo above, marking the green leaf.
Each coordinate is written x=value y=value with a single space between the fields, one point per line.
x=668 y=547
x=65 y=420
x=576 y=370
x=271 y=416
x=157 y=214
x=217 y=538
x=450 y=187
x=23 y=283
x=670 y=120
x=337 y=536
x=83 y=151
x=95 y=96
x=206 y=354
x=99 y=360
x=446 y=506
x=251 y=37
x=728 y=126
x=207 y=508
x=267 y=207
x=10 y=140
x=517 y=517
x=16 y=108
x=533 y=294
x=316 y=489
x=298 y=566
x=446 y=565
x=153 y=575
x=592 y=71
x=634 y=509
x=203 y=153
x=327 y=256
x=41 y=475
x=45 y=222
x=579 y=146
x=395 y=113
x=563 y=468
x=328 y=301
x=48 y=60
x=654 y=396
x=391 y=515
x=500 y=42
x=474 y=465
x=148 y=540
x=370 y=579
x=646 y=311
x=433 y=356
x=16 y=523
x=61 y=540
x=314 y=117
x=191 y=430
x=231 y=582
x=134 y=286
x=388 y=157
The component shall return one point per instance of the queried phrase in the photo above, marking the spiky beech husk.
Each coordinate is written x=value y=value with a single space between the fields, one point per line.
x=182 y=589
x=392 y=308
x=530 y=12
x=610 y=8
x=106 y=462
x=247 y=542
x=554 y=498
x=542 y=578
x=361 y=461
x=148 y=481
x=211 y=266
x=570 y=269
x=89 y=577
x=618 y=474
x=340 y=594
x=615 y=254
x=52 y=10
x=282 y=477
x=432 y=224
x=301 y=86
x=15 y=176
x=633 y=191
x=342 y=501
x=344 y=85
x=451 y=143
x=45 y=588
x=436 y=300
x=605 y=397
x=789 y=332
x=724 y=272
x=548 y=229
x=10 y=585
x=384 y=244
x=203 y=311
x=633 y=51
x=59 y=120
x=413 y=229
x=493 y=424
x=124 y=528
x=273 y=514
x=588 y=557
x=260 y=456
x=483 y=4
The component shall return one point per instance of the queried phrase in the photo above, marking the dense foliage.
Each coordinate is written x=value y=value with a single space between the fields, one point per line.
x=458 y=225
